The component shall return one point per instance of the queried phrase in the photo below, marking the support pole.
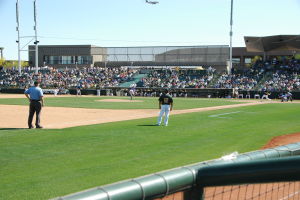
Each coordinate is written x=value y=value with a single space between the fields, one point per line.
x=1 y=52
x=18 y=41
x=36 y=41
x=230 y=35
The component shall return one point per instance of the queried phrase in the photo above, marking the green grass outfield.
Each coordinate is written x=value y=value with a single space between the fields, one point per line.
x=42 y=164
x=146 y=102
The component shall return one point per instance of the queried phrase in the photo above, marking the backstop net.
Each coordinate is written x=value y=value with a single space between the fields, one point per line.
x=259 y=180
x=276 y=190
x=255 y=180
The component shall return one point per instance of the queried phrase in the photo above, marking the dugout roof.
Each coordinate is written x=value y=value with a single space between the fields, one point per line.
x=273 y=43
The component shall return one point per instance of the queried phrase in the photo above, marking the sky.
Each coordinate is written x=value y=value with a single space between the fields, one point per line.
x=119 y=23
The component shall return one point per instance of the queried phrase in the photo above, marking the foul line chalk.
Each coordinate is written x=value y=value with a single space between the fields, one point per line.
x=229 y=113
x=290 y=195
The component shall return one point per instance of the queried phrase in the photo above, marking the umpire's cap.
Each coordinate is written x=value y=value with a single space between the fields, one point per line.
x=36 y=83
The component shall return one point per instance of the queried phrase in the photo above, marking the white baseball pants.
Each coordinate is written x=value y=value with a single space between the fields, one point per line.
x=165 y=109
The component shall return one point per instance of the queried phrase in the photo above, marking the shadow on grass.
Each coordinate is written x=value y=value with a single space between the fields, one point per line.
x=7 y=129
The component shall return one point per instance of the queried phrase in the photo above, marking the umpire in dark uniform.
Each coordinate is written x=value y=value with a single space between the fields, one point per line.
x=35 y=96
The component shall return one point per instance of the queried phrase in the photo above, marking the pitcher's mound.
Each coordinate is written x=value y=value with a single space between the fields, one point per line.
x=119 y=100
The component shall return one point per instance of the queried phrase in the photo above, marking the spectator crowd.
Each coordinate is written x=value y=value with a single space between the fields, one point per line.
x=271 y=75
x=284 y=75
x=176 y=79
x=237 y=81
x=87 y=77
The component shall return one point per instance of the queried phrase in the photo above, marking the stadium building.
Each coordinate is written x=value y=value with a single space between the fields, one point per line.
x=66 y=55
x=83 y=55
x=211 y=55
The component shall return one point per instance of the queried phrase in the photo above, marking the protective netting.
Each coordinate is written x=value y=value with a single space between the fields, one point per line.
x=175 y=196
x=278 y=191
x=269 y=191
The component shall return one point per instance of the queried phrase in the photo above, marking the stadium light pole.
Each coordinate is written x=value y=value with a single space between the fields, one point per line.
x=36 y=41
x=1 y=52
x=230 y=35
x=18 y=40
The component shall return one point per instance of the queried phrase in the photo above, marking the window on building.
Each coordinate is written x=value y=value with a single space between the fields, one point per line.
x=83 y=60
x=65 y=60
x=236 y=60
x=248 y=60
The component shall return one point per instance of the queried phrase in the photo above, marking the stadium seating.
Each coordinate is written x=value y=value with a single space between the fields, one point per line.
x=271 y=75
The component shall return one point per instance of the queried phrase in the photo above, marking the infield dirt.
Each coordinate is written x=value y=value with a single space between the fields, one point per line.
x=15 y=116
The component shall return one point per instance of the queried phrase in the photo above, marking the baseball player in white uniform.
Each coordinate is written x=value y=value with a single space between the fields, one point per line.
x=55 y=91
x=165 y=106
x=131 y=93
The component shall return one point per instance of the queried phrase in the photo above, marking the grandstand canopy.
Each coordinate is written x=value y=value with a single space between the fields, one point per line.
x=273 y=43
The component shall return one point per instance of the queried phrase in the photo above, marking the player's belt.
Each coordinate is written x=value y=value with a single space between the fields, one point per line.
x=34 y=100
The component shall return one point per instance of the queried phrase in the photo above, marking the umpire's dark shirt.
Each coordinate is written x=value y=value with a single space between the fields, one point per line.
x=165 y=99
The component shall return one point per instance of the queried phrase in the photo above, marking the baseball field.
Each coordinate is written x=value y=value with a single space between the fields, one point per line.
x=92 y=141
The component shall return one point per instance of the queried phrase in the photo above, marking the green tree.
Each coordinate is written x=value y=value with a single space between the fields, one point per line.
x=256 y=58
x=2 y=62
x=24 y=63
x=8 y=64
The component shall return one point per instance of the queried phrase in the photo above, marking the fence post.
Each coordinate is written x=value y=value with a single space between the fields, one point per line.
x=196 y=193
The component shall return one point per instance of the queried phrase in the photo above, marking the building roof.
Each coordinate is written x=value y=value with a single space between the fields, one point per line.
x=65 y=46
x=273 y=43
